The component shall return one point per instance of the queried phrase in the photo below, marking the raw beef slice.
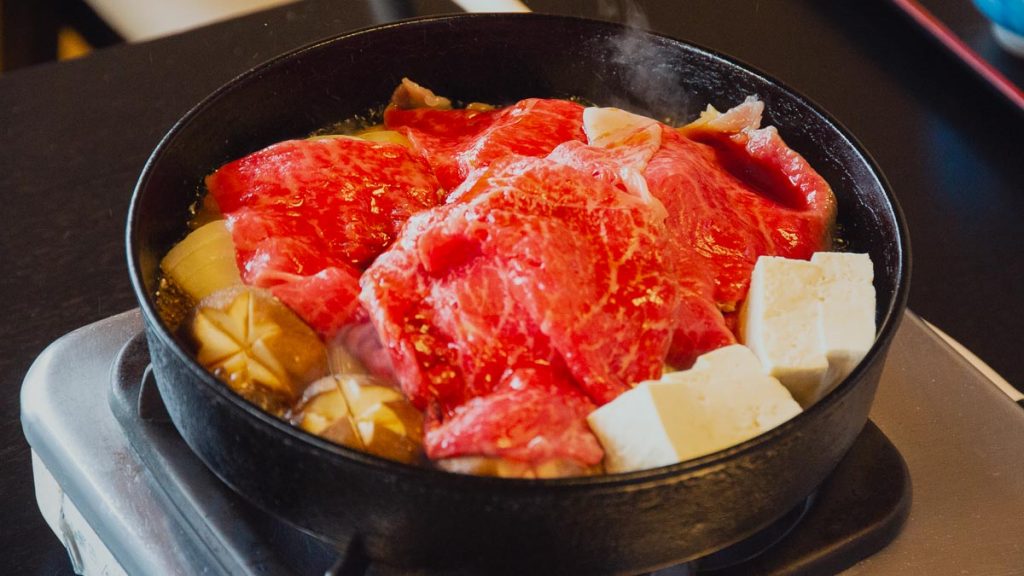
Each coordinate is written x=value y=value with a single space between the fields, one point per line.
x=455 y=142
x=735 y=192
x=621 y=147
x=729 y=191
x=307 y=216
x=540 y=267
x=732 y=192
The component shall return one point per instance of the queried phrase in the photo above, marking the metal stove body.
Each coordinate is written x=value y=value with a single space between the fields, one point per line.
x=125 y=495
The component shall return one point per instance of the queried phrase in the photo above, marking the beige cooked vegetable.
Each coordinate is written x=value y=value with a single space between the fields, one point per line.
x=409 y=94
x=388 y=424
x=375 y=133
x=742 y=117
x=359 y=411
x=384 y=136
x=324 y=411
x=259 y=347
x=206 y=211
x=203 y=262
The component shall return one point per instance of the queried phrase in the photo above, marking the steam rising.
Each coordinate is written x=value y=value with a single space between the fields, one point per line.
x=651 y=77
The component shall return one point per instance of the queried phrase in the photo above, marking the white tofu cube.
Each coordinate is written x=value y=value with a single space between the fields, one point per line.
x=810 y=323
x=848 y=320
x=725 y=399
x=780 y=322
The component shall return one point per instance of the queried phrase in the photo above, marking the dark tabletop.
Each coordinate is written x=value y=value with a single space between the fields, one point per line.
x=74 y=136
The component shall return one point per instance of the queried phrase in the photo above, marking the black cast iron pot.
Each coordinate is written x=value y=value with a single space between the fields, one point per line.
x=411 y=517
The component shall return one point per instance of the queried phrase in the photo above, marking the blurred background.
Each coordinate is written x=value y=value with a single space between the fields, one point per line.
x=36 y=31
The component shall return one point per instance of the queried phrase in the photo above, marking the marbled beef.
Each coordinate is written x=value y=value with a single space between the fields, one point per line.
x=538 y=266
x=456 y=142
x=307 y=216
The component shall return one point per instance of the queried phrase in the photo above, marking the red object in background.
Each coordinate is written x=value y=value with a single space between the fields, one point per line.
x=955 y=44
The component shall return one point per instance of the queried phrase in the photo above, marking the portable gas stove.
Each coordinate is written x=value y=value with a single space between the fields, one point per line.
x=123 y=492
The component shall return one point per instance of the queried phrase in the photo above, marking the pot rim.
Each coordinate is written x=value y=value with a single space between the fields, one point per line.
x=670 y=473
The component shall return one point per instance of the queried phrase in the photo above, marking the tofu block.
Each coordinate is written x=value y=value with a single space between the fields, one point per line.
x=780 y=321
x=204 y=262
x=810 y=323
x=848 y=310
x=725 y=399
